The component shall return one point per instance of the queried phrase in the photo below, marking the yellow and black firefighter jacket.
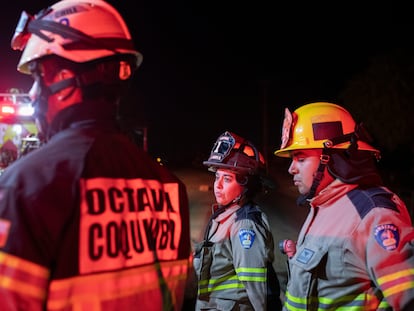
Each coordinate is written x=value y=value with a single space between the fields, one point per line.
x=234 y=262
x=355 y=252
x=89 y=221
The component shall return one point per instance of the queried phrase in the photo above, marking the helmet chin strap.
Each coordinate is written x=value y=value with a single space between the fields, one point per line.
x=324 y=159
x=237 y=199
x=41 y=102
x=63 y=84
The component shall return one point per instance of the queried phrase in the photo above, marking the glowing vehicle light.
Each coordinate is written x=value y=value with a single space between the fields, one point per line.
x=26 y=111
x=8 y=110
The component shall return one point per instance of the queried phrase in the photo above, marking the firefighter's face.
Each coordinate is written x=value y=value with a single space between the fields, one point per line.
x=226 y=187
x=49 y=75
x=39 y=93
x=303 y=167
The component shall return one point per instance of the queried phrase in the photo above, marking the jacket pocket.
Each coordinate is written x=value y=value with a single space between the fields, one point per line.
x=203 y=259
x=308 y=265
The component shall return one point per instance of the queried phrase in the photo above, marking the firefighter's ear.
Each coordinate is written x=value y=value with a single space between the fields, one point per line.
x=62 y=76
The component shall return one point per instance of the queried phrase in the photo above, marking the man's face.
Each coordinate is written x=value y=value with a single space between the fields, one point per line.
x=303 y=167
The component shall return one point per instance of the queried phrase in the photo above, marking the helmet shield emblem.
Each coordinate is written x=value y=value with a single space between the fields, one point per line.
x=222 y=147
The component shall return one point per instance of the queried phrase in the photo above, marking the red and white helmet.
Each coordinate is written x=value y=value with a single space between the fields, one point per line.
x=76 y=30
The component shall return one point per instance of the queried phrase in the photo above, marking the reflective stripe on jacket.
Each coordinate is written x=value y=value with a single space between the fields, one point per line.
x=234 y=266
x=91 y=222
x=355 y=251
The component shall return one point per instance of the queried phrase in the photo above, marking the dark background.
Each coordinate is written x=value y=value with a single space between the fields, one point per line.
x=211 y=66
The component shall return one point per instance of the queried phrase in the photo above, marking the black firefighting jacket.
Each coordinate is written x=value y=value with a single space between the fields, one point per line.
x=90 y=222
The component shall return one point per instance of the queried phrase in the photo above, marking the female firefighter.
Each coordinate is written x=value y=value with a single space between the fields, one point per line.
x=234 y=263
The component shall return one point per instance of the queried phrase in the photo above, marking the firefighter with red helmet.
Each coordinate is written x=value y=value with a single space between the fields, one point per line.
x=355 y=250
x=234 y=262
x=88 y=221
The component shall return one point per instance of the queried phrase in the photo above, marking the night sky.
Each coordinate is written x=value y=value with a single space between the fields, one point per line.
x=211 y=66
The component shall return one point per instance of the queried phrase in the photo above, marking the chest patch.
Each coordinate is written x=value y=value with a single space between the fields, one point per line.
x=305 y=255
x=246 y=237
x=387 y=236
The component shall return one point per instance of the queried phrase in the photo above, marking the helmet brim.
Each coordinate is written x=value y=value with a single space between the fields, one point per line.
x=286 y=152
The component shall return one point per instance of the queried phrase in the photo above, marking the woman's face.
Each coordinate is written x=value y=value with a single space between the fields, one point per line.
x=226 y=187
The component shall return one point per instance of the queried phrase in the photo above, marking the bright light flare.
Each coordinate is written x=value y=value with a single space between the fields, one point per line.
x=25 y=111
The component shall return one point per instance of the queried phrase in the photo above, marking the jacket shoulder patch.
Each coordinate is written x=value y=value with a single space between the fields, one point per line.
x=246 y=237
x=387 y=236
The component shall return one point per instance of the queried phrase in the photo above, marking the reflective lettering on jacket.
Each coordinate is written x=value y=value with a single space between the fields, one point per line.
x=123 y=221
x=90 y=222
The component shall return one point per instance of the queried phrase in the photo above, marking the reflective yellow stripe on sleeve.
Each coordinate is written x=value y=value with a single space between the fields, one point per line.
x=93 y=290
x=389 y=285
x=252 y=274
x=23 y=277
x=211 y=285
x=360 y=302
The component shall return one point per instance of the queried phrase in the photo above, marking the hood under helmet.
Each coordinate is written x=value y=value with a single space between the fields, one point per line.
x=90 y=36
x=346 y=149
x=241 y=156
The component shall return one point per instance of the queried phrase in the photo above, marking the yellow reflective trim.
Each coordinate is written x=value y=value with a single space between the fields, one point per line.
x=369 y=302
x=108 y=286
x=227 y=286
x=255 y=274
x=212 y=285
x=29 y=279
x=22 y=288
x=219 y=280
x=23 y=265
x=252 y=278
x=395 y=275
x=384 y=305
x=220 y=287
x=398 y=288
x=249 y=269
x=296 y=300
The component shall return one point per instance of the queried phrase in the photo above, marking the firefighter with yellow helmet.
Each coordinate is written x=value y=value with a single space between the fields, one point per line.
x=89 y=221
x=355 y=250
x=234 y=262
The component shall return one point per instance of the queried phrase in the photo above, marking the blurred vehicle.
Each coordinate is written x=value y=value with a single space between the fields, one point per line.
x=18 y=132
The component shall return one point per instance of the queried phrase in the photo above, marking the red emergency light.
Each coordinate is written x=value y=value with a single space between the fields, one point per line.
x=15 y=106
x=11 y=110
x=8 y=110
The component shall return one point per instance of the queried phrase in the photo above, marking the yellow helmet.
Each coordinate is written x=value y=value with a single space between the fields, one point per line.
x=315 y=125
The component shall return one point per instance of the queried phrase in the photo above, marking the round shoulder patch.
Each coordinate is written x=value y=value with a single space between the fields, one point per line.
x=246 y=237
x=387 y=236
